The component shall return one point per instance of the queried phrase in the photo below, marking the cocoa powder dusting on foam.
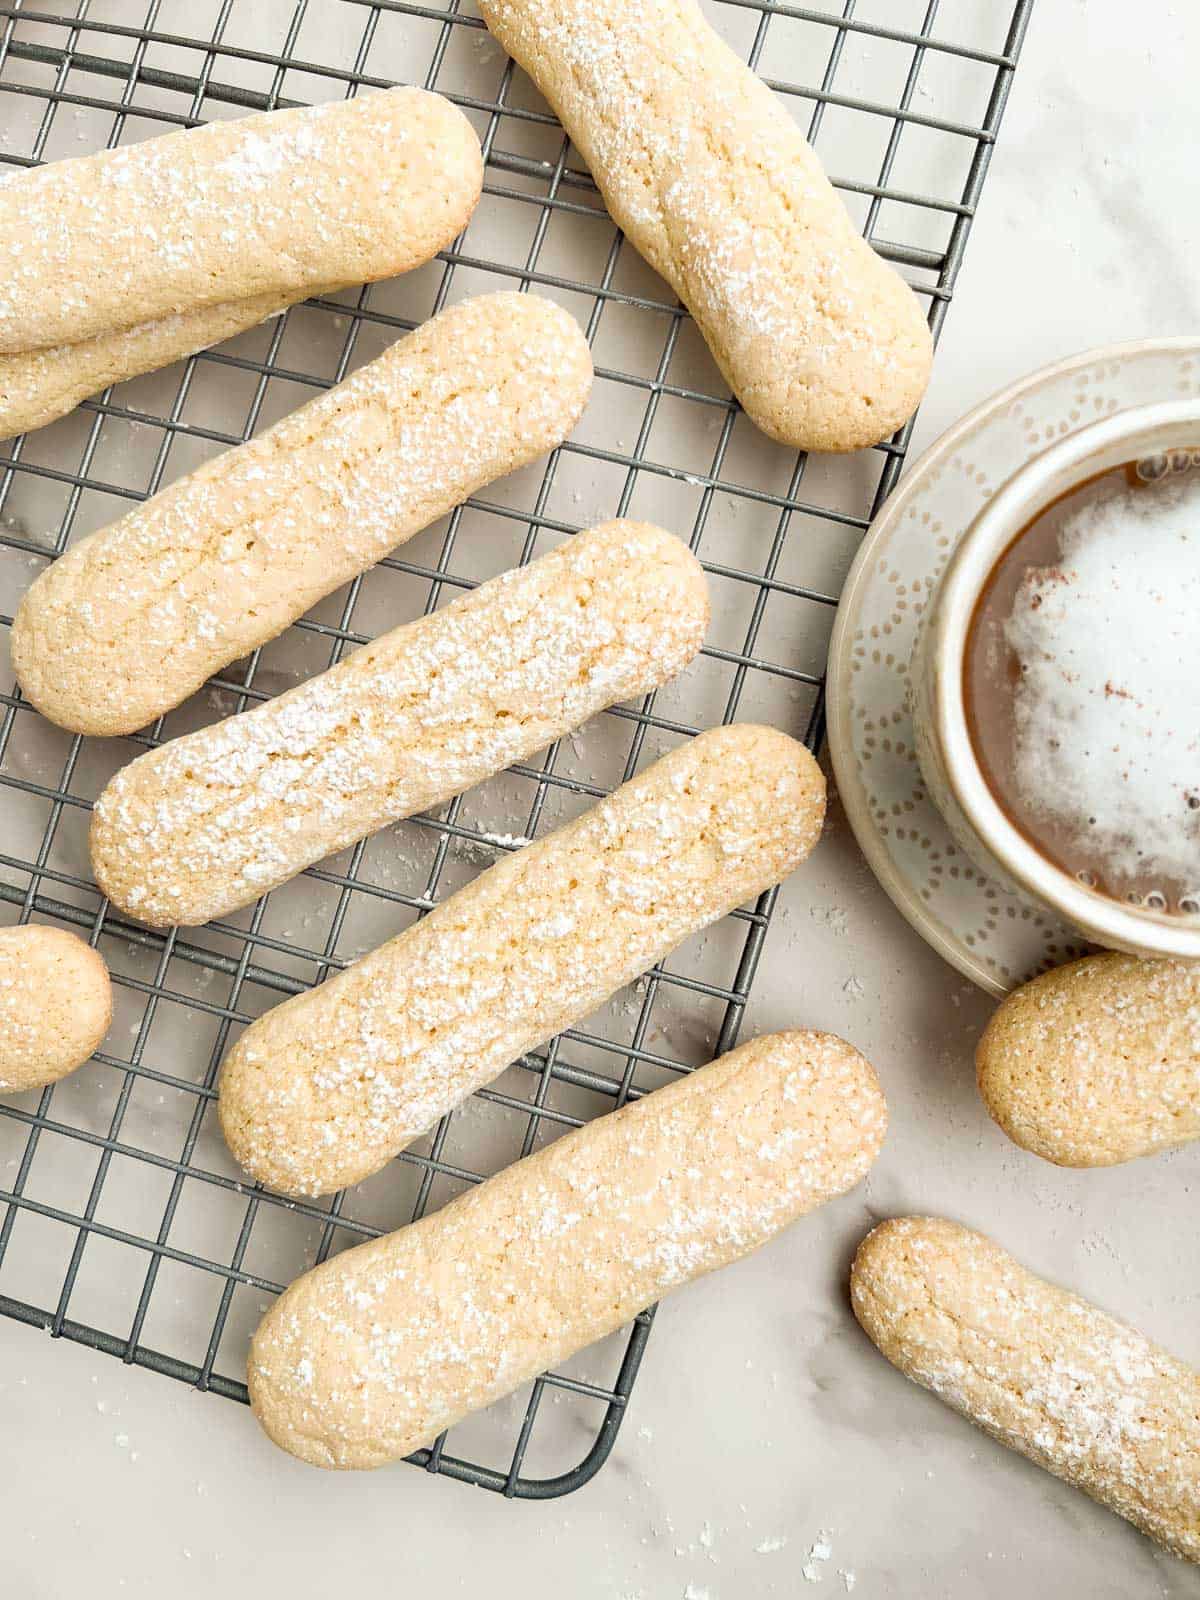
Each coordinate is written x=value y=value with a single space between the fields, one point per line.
x=1083 y=686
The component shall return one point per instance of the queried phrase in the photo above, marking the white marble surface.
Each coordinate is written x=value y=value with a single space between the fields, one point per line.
x=763 y=1420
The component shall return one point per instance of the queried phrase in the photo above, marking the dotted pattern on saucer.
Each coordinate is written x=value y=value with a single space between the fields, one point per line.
x=1002 y=938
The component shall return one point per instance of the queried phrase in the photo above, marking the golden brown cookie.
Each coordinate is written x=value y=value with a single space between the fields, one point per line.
x=132 y=620
x=116 y=263
x=703 y=169
x=328 y=1087
x=1098 y=1061
x=208 y=823
x=373 y=1354
x=119 y=263
x=55 y=1005
x=1046 y=1373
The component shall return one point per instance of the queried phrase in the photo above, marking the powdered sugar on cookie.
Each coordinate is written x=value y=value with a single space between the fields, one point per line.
x=136 y=617
x=326 y=1088
x=211 y=821
x=705 y=171
x=373 y=1354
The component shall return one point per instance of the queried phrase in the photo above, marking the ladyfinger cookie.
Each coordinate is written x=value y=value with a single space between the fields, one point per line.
x=709 y=177
x=272 y=205
x=130 y=621
x=55 y=1005
x=327 y=1088
x=209 y=822
x=1098 y=1061
x=38 y=386
x=1043 y=1371
x=372 y=1355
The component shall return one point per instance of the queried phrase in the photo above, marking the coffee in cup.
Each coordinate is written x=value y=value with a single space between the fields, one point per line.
x=1081 y=682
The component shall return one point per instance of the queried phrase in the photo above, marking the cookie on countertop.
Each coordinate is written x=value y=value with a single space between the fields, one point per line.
x=1043 y=1371
x=1098 y=1061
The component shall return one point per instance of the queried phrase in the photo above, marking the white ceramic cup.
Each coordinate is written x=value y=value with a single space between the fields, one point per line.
x=944 y=747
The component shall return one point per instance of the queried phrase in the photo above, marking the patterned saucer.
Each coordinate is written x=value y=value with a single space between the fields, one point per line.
x=994 y=936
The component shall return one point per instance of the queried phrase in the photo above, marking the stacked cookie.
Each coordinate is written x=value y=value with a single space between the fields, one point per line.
x=118 y=263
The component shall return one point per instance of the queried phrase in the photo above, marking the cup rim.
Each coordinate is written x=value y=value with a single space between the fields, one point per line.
x=1000 y=521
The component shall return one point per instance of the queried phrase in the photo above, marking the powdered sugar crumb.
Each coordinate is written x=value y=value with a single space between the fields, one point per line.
x=819 y=1553
x=831 y=917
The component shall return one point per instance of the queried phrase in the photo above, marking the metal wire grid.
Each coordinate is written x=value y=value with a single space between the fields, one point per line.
x=102 y=1130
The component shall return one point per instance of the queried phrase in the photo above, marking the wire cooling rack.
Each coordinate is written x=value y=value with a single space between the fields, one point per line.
x=123 y=1224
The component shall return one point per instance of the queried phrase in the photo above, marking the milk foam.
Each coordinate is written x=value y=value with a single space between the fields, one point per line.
x=1107 y=711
